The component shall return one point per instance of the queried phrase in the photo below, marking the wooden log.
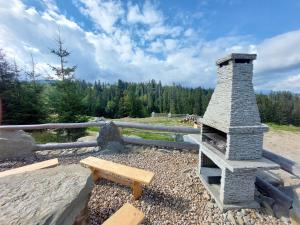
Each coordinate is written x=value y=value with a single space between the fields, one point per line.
x=285 y=164
x=162 y=144
x=128 y=140
x=51 y=126
x=271 y=191
x=177 y=129
x=53 y=146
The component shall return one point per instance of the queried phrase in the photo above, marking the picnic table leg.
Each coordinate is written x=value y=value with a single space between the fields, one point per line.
x=137 y=190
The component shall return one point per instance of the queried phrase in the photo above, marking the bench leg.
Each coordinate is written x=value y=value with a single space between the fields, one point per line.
x=95 y=174
x=137 y=190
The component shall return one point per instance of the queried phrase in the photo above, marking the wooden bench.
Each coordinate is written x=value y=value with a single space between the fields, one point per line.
x=126 y=215
x=31 y=167
x=119 y=173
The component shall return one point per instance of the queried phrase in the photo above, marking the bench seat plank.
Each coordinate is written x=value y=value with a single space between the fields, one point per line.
x=126 y=215
x=31 y=167
x=131 y=173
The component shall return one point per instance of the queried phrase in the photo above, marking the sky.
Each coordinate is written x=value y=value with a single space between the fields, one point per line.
x=174 y=41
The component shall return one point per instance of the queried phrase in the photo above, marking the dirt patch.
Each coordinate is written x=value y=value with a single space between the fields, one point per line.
x=284 y=143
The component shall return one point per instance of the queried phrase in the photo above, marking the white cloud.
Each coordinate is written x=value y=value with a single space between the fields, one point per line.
x=163 y=31
x=148 y=14
x=139 y=45
x=280 y=52
x=189 y=32
x=104 y=13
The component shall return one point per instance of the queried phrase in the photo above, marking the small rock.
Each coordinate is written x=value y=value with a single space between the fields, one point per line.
x=231 y=219
x=240 y=220
x=210 y=205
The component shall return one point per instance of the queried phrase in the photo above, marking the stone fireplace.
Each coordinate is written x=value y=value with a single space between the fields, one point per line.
x=232 y=136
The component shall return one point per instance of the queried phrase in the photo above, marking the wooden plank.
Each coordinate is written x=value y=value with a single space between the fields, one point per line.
x=111 y=177
x=31 y=167
x=126 y=215
x=135 y=174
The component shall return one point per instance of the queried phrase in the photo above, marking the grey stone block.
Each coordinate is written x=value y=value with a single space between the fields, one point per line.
x=238 y=186
x=15 y=144
x=244 y=146
x=53 y=196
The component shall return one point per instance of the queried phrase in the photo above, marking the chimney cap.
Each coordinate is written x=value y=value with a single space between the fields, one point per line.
x=233 y=56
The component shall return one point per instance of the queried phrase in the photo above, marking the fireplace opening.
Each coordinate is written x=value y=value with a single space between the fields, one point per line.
x=210 y=171
x=214 y=137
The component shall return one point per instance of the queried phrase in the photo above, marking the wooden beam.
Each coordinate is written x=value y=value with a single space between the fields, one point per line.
x=126 y=215
x=285 y=164
x=273 y=192
x=31 y=167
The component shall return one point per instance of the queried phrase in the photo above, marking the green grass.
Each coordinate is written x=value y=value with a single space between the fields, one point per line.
x=43 y=137
x=152 y=135
x=277 y=127
x=93 y=129
x=148 y=135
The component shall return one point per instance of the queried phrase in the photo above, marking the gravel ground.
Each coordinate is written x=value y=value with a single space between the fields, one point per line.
x=176 y=195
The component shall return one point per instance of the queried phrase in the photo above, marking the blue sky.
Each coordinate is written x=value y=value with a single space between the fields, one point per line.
x=172 y=41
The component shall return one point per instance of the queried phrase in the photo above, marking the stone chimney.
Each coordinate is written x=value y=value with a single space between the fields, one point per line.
x=233 y=102
x=233 y=109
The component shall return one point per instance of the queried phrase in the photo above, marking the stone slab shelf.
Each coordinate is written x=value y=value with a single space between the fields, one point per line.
x=219 y=159
x=263 y=163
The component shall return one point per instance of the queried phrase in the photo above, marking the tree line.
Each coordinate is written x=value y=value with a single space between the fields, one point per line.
x=66 y=99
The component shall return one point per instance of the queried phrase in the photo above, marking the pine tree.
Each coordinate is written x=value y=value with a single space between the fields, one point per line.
x=66 y=99
x=62 y=72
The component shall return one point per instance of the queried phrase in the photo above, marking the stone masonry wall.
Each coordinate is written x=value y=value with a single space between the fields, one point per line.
x=238 y=186
x=244 y=146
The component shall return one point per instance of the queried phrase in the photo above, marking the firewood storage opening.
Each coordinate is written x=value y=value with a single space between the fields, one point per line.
x=210 y=172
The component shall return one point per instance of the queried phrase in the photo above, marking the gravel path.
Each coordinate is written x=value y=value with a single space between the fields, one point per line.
x=176 y=195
